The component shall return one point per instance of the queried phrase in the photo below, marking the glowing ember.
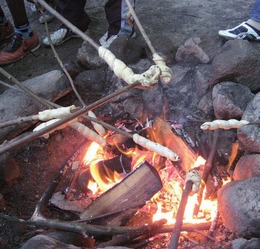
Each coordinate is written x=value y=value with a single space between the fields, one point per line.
x=163 y=215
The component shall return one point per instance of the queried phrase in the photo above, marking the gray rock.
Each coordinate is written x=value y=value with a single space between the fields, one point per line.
x=88 y=57
x=164 y=46
x=239 y=207
x=249 y=135
x=230 y=100
x=46 y=242
x=128 y=50
x=191 y=53
x=248 y=166
x=51 y=86
x=237 y=61
x=246 y=244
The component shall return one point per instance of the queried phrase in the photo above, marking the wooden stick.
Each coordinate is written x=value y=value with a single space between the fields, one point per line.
x=126 y=238
x=96 y=229
x=24 y=88
x=73 y=116
x=206 y=172
x=179 y=217
x=53 y=185
x=61 y=63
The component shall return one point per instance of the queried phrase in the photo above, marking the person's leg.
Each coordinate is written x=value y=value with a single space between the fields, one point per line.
x=73 y=11
x=24 y=39
x=117 y=14
x=248 y=30
x=120 y=22
x=6 y=28
x=2 y=15
x=254 y=15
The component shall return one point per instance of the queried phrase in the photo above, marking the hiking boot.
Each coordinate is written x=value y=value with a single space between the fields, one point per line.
x=105 y=41
x=18 y=48
x=6 y=31
x=60 y=36
x=243 y=31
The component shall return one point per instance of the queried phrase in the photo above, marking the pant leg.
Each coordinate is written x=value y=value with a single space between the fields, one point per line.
x=18 y=12
x=117 y=17
x=73 y=11
x=255 y=13
x=2 y=15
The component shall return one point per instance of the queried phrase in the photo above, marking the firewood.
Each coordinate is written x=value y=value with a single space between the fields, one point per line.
x=132 y=192
x=163 y=135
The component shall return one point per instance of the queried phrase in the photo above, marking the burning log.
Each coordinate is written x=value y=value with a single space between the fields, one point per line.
x=162 y=133
x=131 y=193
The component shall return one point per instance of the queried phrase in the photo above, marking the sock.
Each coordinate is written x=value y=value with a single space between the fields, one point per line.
x=25 y=31
x=254 y=24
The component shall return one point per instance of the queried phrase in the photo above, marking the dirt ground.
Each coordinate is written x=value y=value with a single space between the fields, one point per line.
x=179 y=20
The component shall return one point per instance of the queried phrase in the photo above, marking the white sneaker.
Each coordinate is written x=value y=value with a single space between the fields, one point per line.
x=58 y=37
x=242 y=31
x=47 y=16
x=33 y=7
x=105 y=41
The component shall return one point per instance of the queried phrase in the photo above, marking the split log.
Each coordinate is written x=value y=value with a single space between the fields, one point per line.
x=162 y=133
x=130 y=194
x=51 y=86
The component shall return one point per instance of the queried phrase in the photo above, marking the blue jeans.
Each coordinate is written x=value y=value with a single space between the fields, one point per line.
x=255 y=13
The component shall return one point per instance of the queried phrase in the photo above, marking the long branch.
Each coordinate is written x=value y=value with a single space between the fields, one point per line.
x=6 y=147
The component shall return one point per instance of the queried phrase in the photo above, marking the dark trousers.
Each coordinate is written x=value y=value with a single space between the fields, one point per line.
x=18 y=12
x=73 y=10
x=116 y=13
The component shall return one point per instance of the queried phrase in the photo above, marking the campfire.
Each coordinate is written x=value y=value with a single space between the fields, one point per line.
x=139 y=183
x=111 y=186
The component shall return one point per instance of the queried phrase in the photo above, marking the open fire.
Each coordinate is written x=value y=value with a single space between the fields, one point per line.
x=106 y=170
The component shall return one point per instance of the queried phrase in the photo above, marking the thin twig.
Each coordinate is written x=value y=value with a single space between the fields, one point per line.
x=24 y=88
x=126 y=238
x=139 y=25
x=18 y=121
x=61 y=63
x=206 y=172
x=179 y=216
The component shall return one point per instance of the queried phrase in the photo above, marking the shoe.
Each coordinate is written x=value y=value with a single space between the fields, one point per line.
x=33 y=7
x=6 y=31
x=60 y=36
x=46 y=16
x=243 y=31
x=106 y=41
x=18 y=48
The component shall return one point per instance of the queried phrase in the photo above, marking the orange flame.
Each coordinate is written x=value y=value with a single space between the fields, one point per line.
x=104 y=178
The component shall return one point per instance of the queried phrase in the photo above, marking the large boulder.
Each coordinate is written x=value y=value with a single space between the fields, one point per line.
x=238 y=205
